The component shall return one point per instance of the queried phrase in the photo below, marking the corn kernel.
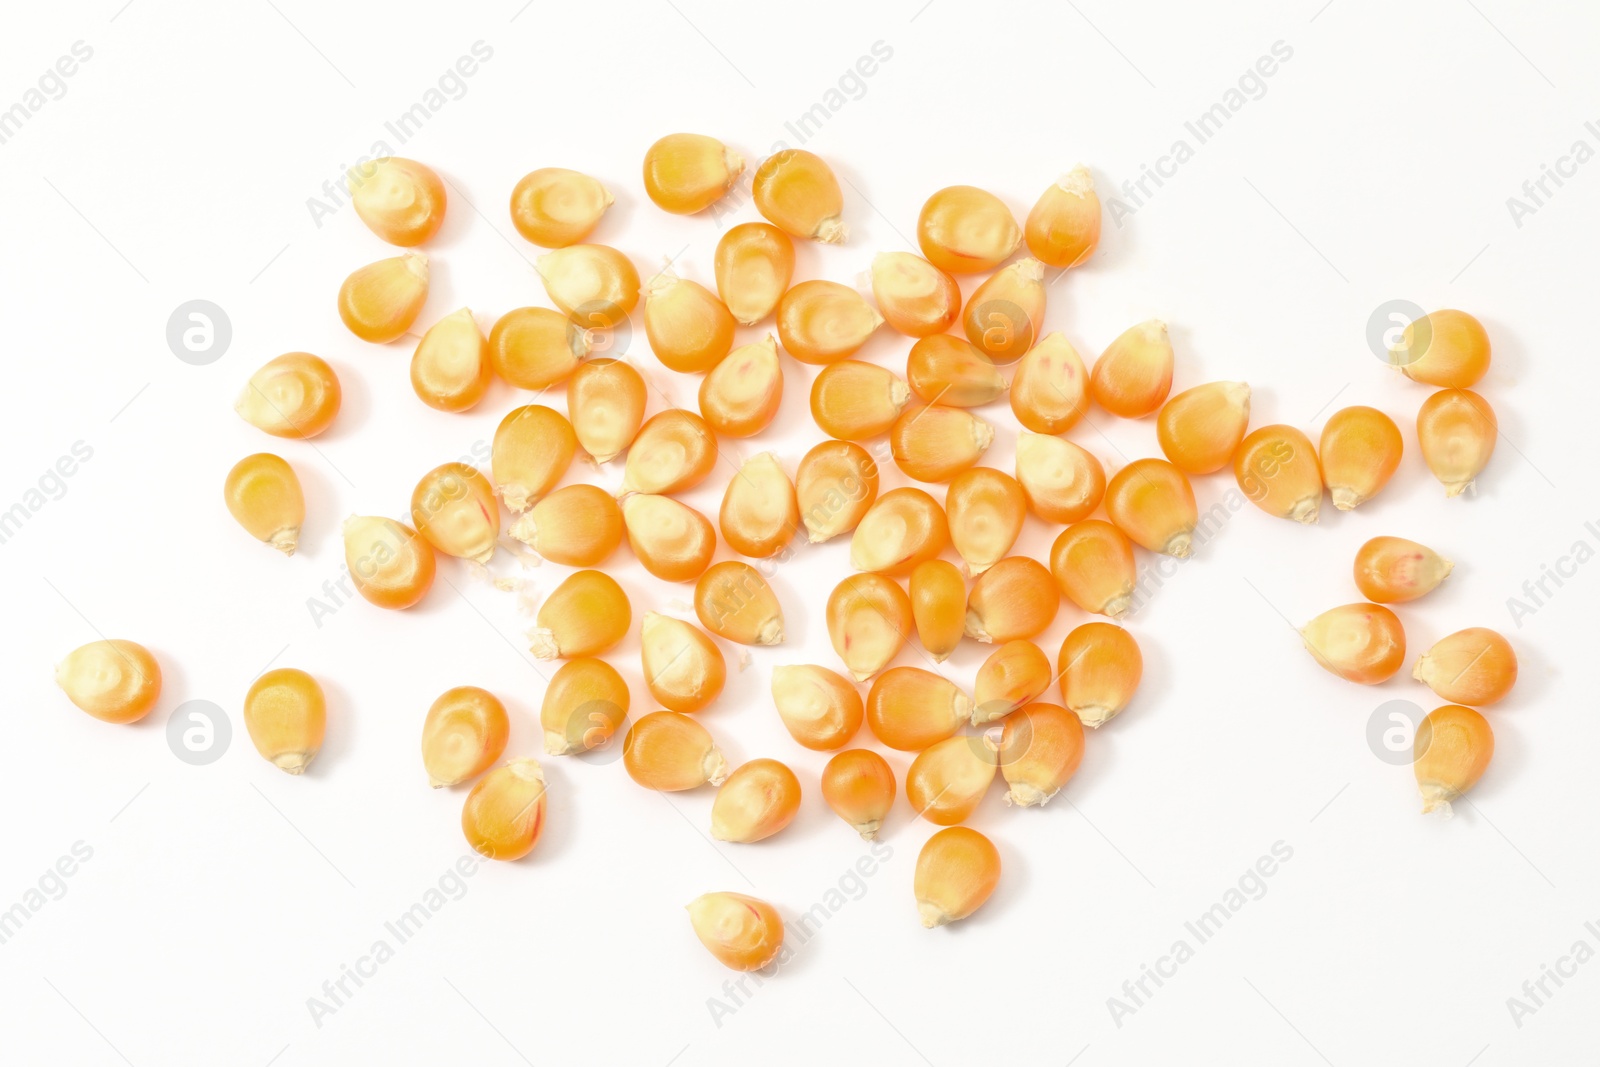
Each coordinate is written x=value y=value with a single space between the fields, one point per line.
x=1362 y=643
x=753 y=265
x=263 y=495
x=1005 y=313
x=673 y=541
x=740 y=396
x=797 y=192
x=688 y=327
x=948 y=779
x=834 y=486
x=463 y=735
x=934 y=443
x=1049 y=391
x=115 y=681
x=819 y=707
x=743 y=933
x=556 y=207
x=957 y=871
x=683 y=668
x=1015 y=674
x=1445 y=348
x=938 y=606
x=985 y=509
x=1013 y=599
x=1092 y=561
x=669 y=751
x=909 y=708
x=868 y=617
x=286 y=715
x=453 y=506
x=1133 y=375
x=1474 y=666
x=1456 y=429
x=1060 y=481
x=594 y=284
x=1151 y=501
x=400 y=200
x=1100 y=667
x=824 y=322
x=858 y=785
x=450 y=369
x=295 y=395
x=759 y=513
x=1358 y=454
x=964 y=230
x=900 y=530
x=379 y=302
x=606 y=399
x=915 y=297
x=535 y=348
x=944 y=369
x=533 y=447
x=688 y=172
x=1040 y=750
x=585 y=703
x=1392 y=570
x=585 y=615
x=575 y=526
x=504 y=813
x=734 y=602
x=1200 y=428
x=390 y=564
x=673 y=451
x=1277 y=468
x=758 y=799
x=852 y=401
x=1063 y=229
x=1452 y=749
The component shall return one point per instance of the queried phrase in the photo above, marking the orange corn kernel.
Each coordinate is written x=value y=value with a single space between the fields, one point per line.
x=389 y=562
x=1049 y=391
x=575 y=526
x=759 y=513
x=1040 y=750
x=909 y=708
x=400 y=200
x=1015 y=674
x=688 y=327
x=1060 y=481
x=1200 y=428
x=1452 y=749
x=464 y=733
x=287 y=716
x=734 y=602
x=957 y=871
x=852 y=401
x=1456 y=429
x=1092 y=561
x=379 y=302
x=753 y=264
x=585 y=615
x=944 y=369
x=963 y=230
x=868 y=617
x=1445 y=348
x=688 y=172
x=797 y=192
x=585 y=703
x=534 y=348
x=263 y=495
x=819 y=707
x=114 y=680
x=556 y=207
x=594 y=284
x=948 y=779
x=1362 y=643
x=758 y=799
x=1133 y=375
x=984 y=508
x=453 y=506
x=1359 y=453
x=1063 y=229
x=606 y=398
x=903 y=528
x=858 y=785
x=834 y=485
x=1150 y=500
x=1277 y=468
x=670 y=751
x=1474 y=666
x=1013 y=599
x=916 y=298
x=824 y=322
x=450 y=369
x=673 y=541
x=938 y=606
x=743 y=933
x=739 y=397
x=504 y=813
x=1392 y=570
x=1005 y=313
x=674 y=451
x=934 y=443
x=1100 y=667
x=683 y=668
x=533 y=447
x=295 y=395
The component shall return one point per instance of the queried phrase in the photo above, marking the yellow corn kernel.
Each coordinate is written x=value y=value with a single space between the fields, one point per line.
x=688 y=327
x=1060 y=481
x=938 y=606
x=263 y=496
x=909 y=708
x=957 y=871
x=1133 y=375
x=1063 y=229
x=556 y=207
x=915 y=297
x=934 y=443
x=585 y=703
x=688 y=172
x=868 y=617
x=1100 y=667
x=743 y=933
x=115 y=681
x=453 y=506
x=450 y=369
x=295 y=395
x=948 y=778
x=673 y=451
x=1445 y=348
x=390 y=564
x=1392 y=570
x=1015 y=674
x=1050 y=389
x=858 y=785
x=669 y=751
x=287 y=716
x=759 y=513
x=534 y=348
x=1456 y=429
x=594 y=284
x=683 y=668
x=819 y=707
x=834 y=486
x=739 y=397
x=734 y=602
x=944 y=369
x=1200 y=428
x=903 y=528
x=1151 y=501
x=853 y=401
x=606 y=399
x=1277 y=468
x=1005 y=313
x=575 y=526
x=400 y=200
x=1092 y=561
x=583 y=616
x=753 y=264
x=1452 y=749
x=963 y=230
x=673 y=541
x=1358 y=454
x=379 y=302
x=1362 y=643
x=1474 y=666
x=985 y=509
x=533 y=447
x=463 y=735
x=1040 y=749
x=758 y=799
x=504 y=813
x=824 y=322
x=1013 y=599
x=797 y=192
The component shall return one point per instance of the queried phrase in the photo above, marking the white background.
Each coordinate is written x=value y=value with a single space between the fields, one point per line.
x=219 y=898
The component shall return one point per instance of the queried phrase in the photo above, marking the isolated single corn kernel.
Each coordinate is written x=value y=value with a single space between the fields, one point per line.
x=759 y=513
x=915 y=297
x=1451 y=751
x=606 y=399
x=734 y=602
x=464 y=733
x=379 y=302
x=555 y=207
x=533 y=447
x=1277 y=468
x=1474 y=666
x=758 y=799
x=453 y=506
x=450 y=369
x=1392 y=570
x=944 y=369
x=1200 y=428
x=909 y=708
x=869 y=617
x=1092 y=561
x=1063 y=229
x=939 y=606
x=1446 y=348
x=113 y=680
x=1151 y=501
x=1362 y=643
x=504 y=813
x=948 y=778
x=1015 y=674
x=674 y=450
x=673 y=541
x=583 y=616
x=957 y=871
x=834 y=485
x=1061 y=482
x=1050 y=389
x=534 y=348
x=933 y=443
x=585 y=703
x=858 y=785
x=1013 y=599
x=853 y=401
x=753 y=265
x=1133 y=375
x=1040 y=749
x=1358 y=454
x=985 y=509
x=263 y=496
x=688 y=172
x=669 y=751
x=295 y=395
x=797 y=192
x=1100 y=667
x=743 y=933
x=391 y=564
x=824 y=322
x=1005 y=313
x=286 y=715
x=594 y=284
x=575 y=526
x=1456 y=430
x=819 y=707
x=400 y=200
x=689 y=328
x=901 y=529
x=683 y=668
x=739 y=397
x=963 y=230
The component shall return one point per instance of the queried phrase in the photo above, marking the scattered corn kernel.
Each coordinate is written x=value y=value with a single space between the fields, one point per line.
x=868 y=617
x=688 y=172
x=673 y=541
x=819 y=707
x=669 y=751
x=1013 y=599
x=753 y=263
x=1092 y=561
x=673 y=451
x=944 y=369
x=743 y=933
x=824 y=322
x=948 y=779
x=1134 y=374
x=556 y=207
x=1060 y=481
x=1040 y=749
x=683 y=668
x=263 y=496
x=1100 y=667
x=739 y=397
x=853 y=401
x=759 y=513
x=286 y=715
x=834 y=486
x=115 y=681
x=463 y=735
x=901 y=529
x=957 y=871
x=606 y=399
x=939 y=606
x=1362 y=643
x=798 y=193
x=389 y=562
x=1445 y=348
x=533 y=447
x=379 y=302
x=1452 y=749
x=1456 y=429
x=1392 y=570
x=734 y=602
x=858 y=785
x=575 y=526
x=1015 y=674
x=1050 y=389
x=400 y=200
x=1277 y=468
x=583 y=616
x=1063 y=229
x=1151 y=501
x=534 y=348
x=688 y=327
x=1200 y=428
x=453 y=506
x=450 y=369
x=295 y=395
x=594 y=284
x=758 y=799
x=504 y=813
x=1358 y=454
x=1474 y=666
x=915 y=297
x=585 y=703
x=1005 y=313
x=934 y=443
x=963 y=230
x=909 y=708
x=984 y=508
